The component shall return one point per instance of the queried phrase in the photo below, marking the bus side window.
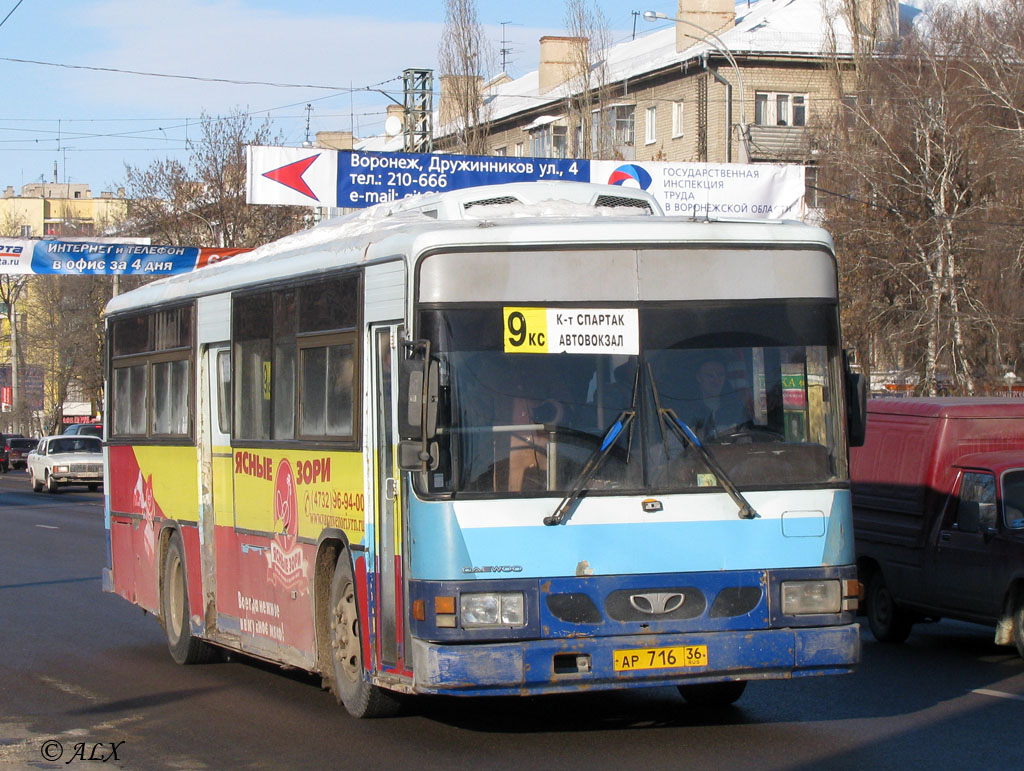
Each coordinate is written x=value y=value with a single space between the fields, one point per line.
x=224 y=392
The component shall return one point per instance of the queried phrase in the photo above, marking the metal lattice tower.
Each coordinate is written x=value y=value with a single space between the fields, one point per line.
x=419 y=108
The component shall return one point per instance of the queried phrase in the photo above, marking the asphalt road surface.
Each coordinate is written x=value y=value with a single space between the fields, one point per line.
x=86 y=681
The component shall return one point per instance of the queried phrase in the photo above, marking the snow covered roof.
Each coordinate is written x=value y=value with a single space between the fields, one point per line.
x=802 y=28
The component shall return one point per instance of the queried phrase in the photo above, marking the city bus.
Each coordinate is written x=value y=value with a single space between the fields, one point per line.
x=519 y=440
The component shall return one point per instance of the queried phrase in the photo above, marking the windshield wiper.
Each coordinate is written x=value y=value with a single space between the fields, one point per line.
x=667 y=415
x=590 y=467
x=597 y=458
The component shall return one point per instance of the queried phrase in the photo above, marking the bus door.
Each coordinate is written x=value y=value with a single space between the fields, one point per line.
x=389 y=524
x=217 y=480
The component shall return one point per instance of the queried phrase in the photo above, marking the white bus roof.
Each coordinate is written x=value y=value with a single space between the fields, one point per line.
x=403 y=229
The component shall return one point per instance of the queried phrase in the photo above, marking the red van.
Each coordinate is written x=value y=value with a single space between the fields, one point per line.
x=938 y=511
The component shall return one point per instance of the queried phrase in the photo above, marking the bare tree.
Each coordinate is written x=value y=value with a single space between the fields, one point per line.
x=465 y=56
x=913 y=154
x=203 y=203
x=586 y=81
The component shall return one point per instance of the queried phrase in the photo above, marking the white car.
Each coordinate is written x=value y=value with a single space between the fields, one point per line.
x=66 y=460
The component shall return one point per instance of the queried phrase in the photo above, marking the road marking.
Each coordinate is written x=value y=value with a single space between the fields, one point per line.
x=48 y=527
x=998 y=694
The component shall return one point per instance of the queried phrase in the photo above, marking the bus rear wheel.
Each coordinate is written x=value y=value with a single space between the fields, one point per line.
x=360 y=697
x=713 y=694
x=184 y=647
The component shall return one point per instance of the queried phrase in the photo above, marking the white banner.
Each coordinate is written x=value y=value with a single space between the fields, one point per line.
x=311 y=177
x=712 y=190
x=291 y=176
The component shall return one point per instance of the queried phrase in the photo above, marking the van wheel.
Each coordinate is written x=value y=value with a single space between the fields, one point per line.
x=889 y=623
x=185 y=648
x=360 y=697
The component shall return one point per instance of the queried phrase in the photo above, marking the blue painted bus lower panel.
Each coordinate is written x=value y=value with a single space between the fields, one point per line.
x=530 y=668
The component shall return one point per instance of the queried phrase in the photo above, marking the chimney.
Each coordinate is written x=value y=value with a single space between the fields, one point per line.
x=560 y=59
x=713 y=15
x=334 y=140
x=9 y=192
x=877 y=20
x=455 y=91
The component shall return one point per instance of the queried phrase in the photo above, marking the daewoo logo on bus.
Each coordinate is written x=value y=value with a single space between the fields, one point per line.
x=493 y=569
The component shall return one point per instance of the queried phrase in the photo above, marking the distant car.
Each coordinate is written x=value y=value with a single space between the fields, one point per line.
x=17 y=449
x=5 y=462
x=88 y=429
x=66 y=460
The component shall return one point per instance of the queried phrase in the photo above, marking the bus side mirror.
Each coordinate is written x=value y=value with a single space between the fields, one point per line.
x=418 y=387
x=856 y=405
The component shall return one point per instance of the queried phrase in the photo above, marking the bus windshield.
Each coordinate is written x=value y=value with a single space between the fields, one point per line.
x=757 y=382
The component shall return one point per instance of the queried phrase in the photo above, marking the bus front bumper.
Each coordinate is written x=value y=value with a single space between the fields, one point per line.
x=580 y=664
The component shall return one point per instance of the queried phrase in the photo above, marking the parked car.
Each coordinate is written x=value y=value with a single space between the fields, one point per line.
x=88 y=429
x=16 y=450
x=938 y=514
x=66 y=460
x=5 y=462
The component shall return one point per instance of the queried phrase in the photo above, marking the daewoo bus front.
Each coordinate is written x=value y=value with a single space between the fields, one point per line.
x=634 y=470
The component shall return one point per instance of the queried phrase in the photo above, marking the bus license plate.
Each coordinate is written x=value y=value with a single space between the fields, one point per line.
x=660 y=658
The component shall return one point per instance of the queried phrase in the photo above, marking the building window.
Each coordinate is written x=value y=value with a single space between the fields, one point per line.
x=677 y=119
x=519 y=150
x=617 y=124
x=501 y=151
x=775 y=109
x=650 y=125
x=811 y=198
x=549 y=141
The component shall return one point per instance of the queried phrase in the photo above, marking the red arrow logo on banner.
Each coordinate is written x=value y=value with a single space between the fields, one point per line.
x=290 y=175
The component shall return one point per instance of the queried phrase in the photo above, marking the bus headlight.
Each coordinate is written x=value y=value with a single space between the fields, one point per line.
x=801 y=598
x=492 y=609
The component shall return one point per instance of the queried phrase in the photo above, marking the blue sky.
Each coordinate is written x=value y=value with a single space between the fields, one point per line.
x=91 y=123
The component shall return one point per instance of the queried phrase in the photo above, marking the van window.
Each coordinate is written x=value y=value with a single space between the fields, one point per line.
x=1013 y=499
x=976 y=509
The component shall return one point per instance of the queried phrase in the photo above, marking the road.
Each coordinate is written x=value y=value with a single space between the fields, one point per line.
x=84 y=675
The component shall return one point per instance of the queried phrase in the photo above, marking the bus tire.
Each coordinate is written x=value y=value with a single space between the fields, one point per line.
x=713 y=694
x=361 y=698
x=888 y=621
x=184 y=647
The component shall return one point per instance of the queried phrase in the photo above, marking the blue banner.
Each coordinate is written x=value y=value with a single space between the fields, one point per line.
x=365 y=179
x=100 y=258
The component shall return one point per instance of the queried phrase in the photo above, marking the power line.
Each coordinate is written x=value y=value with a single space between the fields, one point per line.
x=10 y=12
x=229 y=81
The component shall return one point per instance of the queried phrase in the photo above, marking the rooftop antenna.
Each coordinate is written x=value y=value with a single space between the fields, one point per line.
x=505 y=50
x=309 y=110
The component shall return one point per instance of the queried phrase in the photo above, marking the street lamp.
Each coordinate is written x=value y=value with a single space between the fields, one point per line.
x=1010 y=378
x=711 y=39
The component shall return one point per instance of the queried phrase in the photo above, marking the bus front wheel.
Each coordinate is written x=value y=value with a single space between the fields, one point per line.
x=360 y=697
x=713 y=694
x=185 y=648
